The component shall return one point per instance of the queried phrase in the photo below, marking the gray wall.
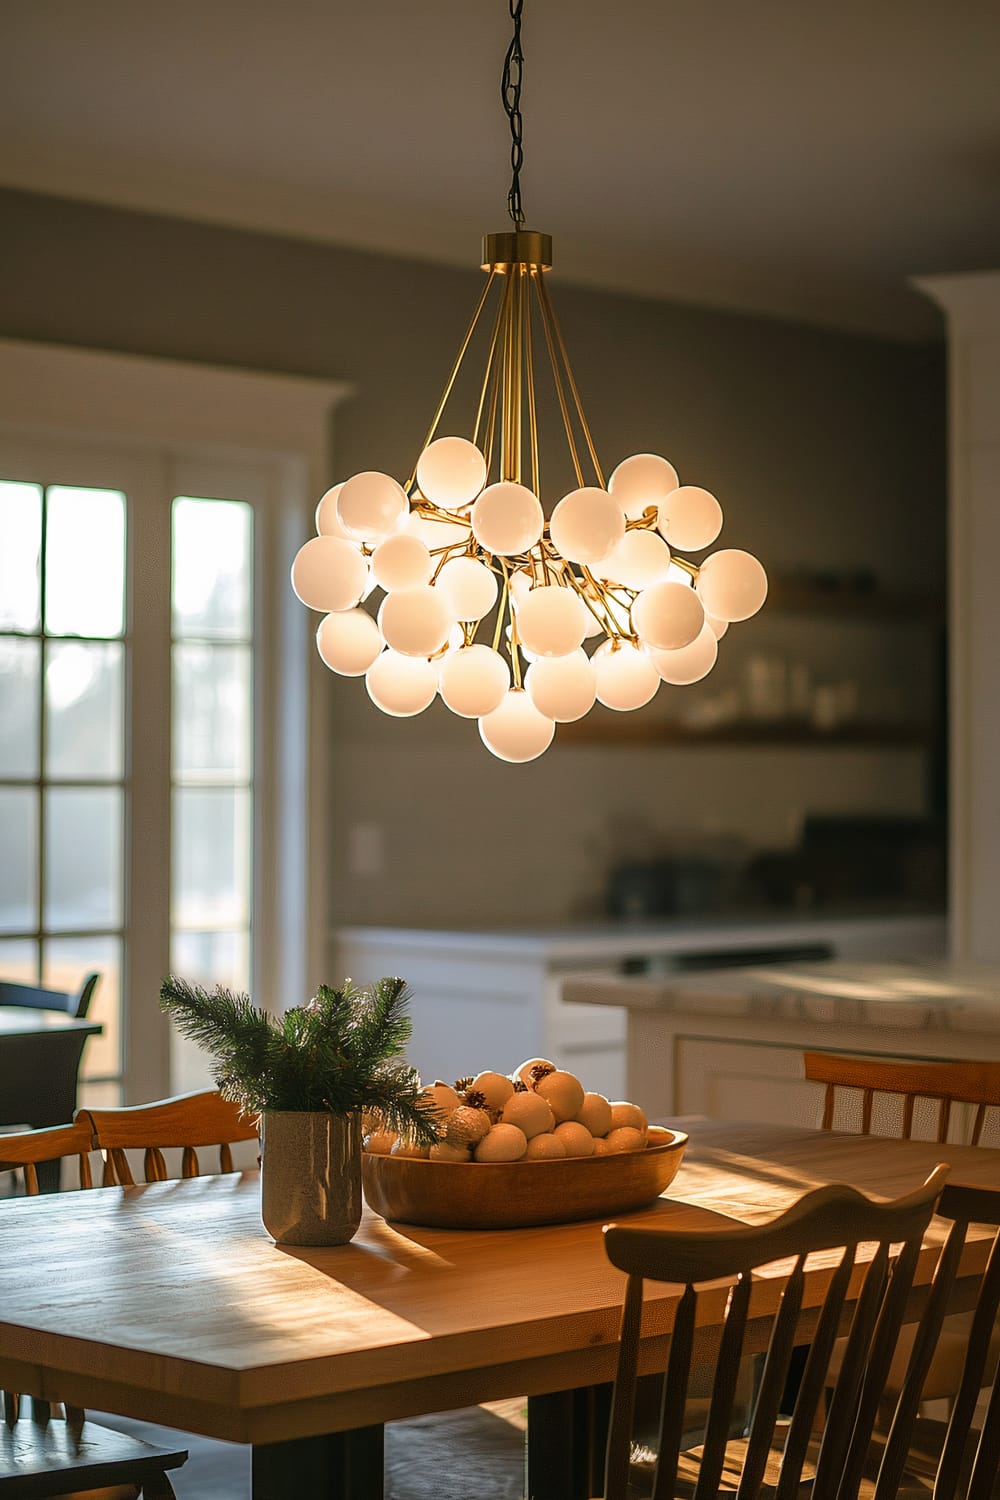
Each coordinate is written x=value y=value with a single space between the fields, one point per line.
x=826 y=450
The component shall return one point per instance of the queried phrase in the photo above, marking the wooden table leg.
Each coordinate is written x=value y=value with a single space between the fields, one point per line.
x=567 y=1434
x=338 y=1466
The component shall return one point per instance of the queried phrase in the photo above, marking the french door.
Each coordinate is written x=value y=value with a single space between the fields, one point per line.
x=135 y=794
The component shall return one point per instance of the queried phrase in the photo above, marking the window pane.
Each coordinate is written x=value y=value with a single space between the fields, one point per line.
x=83 y=700
x=19 y=960
x=65 y=964
x=19 y=865
x=85 y=562
x=83 y=858
x=207 y=958
x=20 y=555
x=212 y=568
x=211 y=858
x=19 y=667
x=211 y=715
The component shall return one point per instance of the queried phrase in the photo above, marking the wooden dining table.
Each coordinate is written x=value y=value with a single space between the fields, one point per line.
x=169 y=1303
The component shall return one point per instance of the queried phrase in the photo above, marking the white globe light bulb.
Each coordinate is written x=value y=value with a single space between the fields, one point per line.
x=371 y=505
x=401 y=562
x=562 y=687
x=586 y=524
x=450 y=472
x=507 y=519
x=718 y=626
x=690 y=518
x=401 y=685
x=732 y=585
x=473 y=681
x=552 y=620
x=327 y=520
x=348 y=642
x=525 y=652
x=691 y=663
x=643 y=480
x=641 y=558
x=520 y=584
x=667 y=616
x=415 y=622
x=329 y=573
x=516 y=731
x=626 y=678
x=469 y=587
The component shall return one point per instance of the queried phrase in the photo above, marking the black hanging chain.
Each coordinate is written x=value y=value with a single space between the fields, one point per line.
x=510 y=93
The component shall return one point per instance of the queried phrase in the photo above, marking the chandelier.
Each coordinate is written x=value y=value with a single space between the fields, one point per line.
x=481 y=599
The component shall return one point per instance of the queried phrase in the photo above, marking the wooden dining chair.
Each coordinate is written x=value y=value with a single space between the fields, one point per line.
x=944 y=1083
x=190 y=1122
x=753 y=1278
x=73 y=1002
x=923 y=1459
x=972 y=1084
x=47 y=1448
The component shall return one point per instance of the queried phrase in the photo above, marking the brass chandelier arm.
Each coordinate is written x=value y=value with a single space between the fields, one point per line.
x=529 y=369
x=452 y=377
x=490 y=372
x=560 y=393
x=550 y=311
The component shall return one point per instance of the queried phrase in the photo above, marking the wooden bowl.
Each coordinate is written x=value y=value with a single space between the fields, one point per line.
x=512 y=1194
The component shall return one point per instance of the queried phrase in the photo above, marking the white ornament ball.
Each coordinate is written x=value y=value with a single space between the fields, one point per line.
x=625 y=1138
x=552 y=620
x=667 y=616
x=529 y=1112
x=442 y=1097
x=329 y=573
x=473 y=681
x=623 y=1112
x=407 y=1148
x=575 y=1137
x=465 y=1126
x=562 y=1092
x=469 y=587
x=507 y=519
x=401 y=685
x=415 y=622
x=450 y=472
x=643 y=480
x=502 y=1143
x=563 y=688
x=515 y=731
x=626 y=678
x=327 y=520
x=690 y=518
x=595 y=1113
x=545 y=1147
x=586 y=525
x=348 y=642
x=641 y=558
x=601 y=1147
x=496 y=1088
x=732 y=585
x=401 y=562
x=371 y=505
x=443 y=1151
x=691 y=663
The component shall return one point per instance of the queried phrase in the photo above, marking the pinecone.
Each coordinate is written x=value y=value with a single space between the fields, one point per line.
x=519 y=1087
x=475 y=1099
x=461 y=1084
x=540 y=1071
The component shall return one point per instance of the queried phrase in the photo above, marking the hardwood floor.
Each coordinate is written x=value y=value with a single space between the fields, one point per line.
x=449 y=1456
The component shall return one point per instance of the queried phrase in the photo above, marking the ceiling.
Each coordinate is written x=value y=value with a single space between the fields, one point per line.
x=792 y=157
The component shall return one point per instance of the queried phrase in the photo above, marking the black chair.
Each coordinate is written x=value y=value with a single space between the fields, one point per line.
x=74 y=1003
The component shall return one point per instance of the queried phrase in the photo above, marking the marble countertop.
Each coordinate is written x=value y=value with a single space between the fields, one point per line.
x=925 y=994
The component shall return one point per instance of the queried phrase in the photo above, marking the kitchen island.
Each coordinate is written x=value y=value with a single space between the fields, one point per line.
x=729 y=1043
x=489 y=998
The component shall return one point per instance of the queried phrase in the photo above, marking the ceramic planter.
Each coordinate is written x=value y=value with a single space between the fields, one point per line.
x=310 y=1177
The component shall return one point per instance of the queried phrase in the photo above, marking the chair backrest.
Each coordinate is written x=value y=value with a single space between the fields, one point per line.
x=189 y=1121
x=968 y=1464
x=25 y=1149
x=834 y=1219
x=73 y=1002
x=948 y=1083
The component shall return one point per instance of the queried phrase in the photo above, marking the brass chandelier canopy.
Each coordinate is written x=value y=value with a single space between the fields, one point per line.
x=465 y=541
